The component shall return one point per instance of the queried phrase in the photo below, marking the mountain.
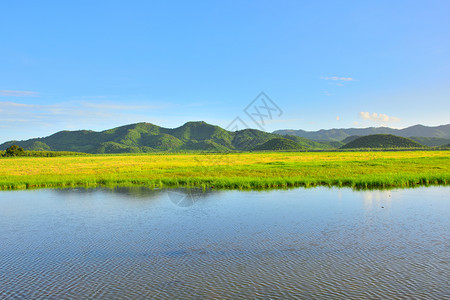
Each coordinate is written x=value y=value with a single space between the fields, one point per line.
x=350 y=139
x=442 y=131
x=147 y=137
x=279 y=144
x=309 y=144
x=430 y=141
x=381 y=141
x=201 y=136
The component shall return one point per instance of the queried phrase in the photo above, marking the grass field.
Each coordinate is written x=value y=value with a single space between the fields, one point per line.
x=237 y=170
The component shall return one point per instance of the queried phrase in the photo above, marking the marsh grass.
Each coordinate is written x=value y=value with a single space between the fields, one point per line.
x=231 y=171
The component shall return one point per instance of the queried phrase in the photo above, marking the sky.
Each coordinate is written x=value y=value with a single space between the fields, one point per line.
x=69 y=65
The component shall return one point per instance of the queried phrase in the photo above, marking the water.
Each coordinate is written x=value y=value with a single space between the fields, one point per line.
x=303 y=244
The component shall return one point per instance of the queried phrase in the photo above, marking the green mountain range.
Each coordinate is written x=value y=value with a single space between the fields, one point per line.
x=200 y=136
x=442 y=132
x=430 y=141
x=146 y=137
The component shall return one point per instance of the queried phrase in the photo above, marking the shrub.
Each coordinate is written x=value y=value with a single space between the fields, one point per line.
x=14 y=150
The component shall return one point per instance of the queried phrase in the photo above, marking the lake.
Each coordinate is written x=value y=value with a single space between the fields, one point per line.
x=314 y=243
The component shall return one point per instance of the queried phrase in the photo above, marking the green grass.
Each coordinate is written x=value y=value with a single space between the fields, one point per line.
x=235 y=170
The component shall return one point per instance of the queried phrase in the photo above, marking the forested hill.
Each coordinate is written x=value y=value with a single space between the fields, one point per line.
x=146 y=137
x=384 y=141
x=201 y=136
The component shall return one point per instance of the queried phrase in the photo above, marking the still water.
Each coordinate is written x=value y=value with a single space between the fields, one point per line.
x=303 y=243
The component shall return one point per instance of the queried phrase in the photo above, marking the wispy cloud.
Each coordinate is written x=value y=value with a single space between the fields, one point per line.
x=14 y=104
x=10 y=93
x=336 y=78
x=379 y=118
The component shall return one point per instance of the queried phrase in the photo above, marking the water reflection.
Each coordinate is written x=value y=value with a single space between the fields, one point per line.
x=374 y=199
x=302 y=243
x=181 y=197
x=125 y=192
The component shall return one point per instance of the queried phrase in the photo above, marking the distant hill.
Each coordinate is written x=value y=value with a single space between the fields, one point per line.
x=309 y=144
x=350 y=139
x=381 y=141
x=146 y=137
x=430 y=141
x=279 y=144
x=332 y=144
x=442 y=131
x=201 y=136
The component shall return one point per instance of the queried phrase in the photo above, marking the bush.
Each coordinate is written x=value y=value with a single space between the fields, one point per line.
x=14 y=150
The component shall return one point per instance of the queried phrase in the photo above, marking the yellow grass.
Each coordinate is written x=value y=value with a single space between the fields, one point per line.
x=237 y=170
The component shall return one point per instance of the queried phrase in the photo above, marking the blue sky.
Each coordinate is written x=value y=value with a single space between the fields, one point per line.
x=67 y=65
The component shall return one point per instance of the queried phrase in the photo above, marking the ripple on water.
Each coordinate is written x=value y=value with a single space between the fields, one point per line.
x=293 y=244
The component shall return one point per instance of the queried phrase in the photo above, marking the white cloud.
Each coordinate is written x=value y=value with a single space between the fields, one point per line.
x=10 y=93
x=379 y=118
x=336 y=78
